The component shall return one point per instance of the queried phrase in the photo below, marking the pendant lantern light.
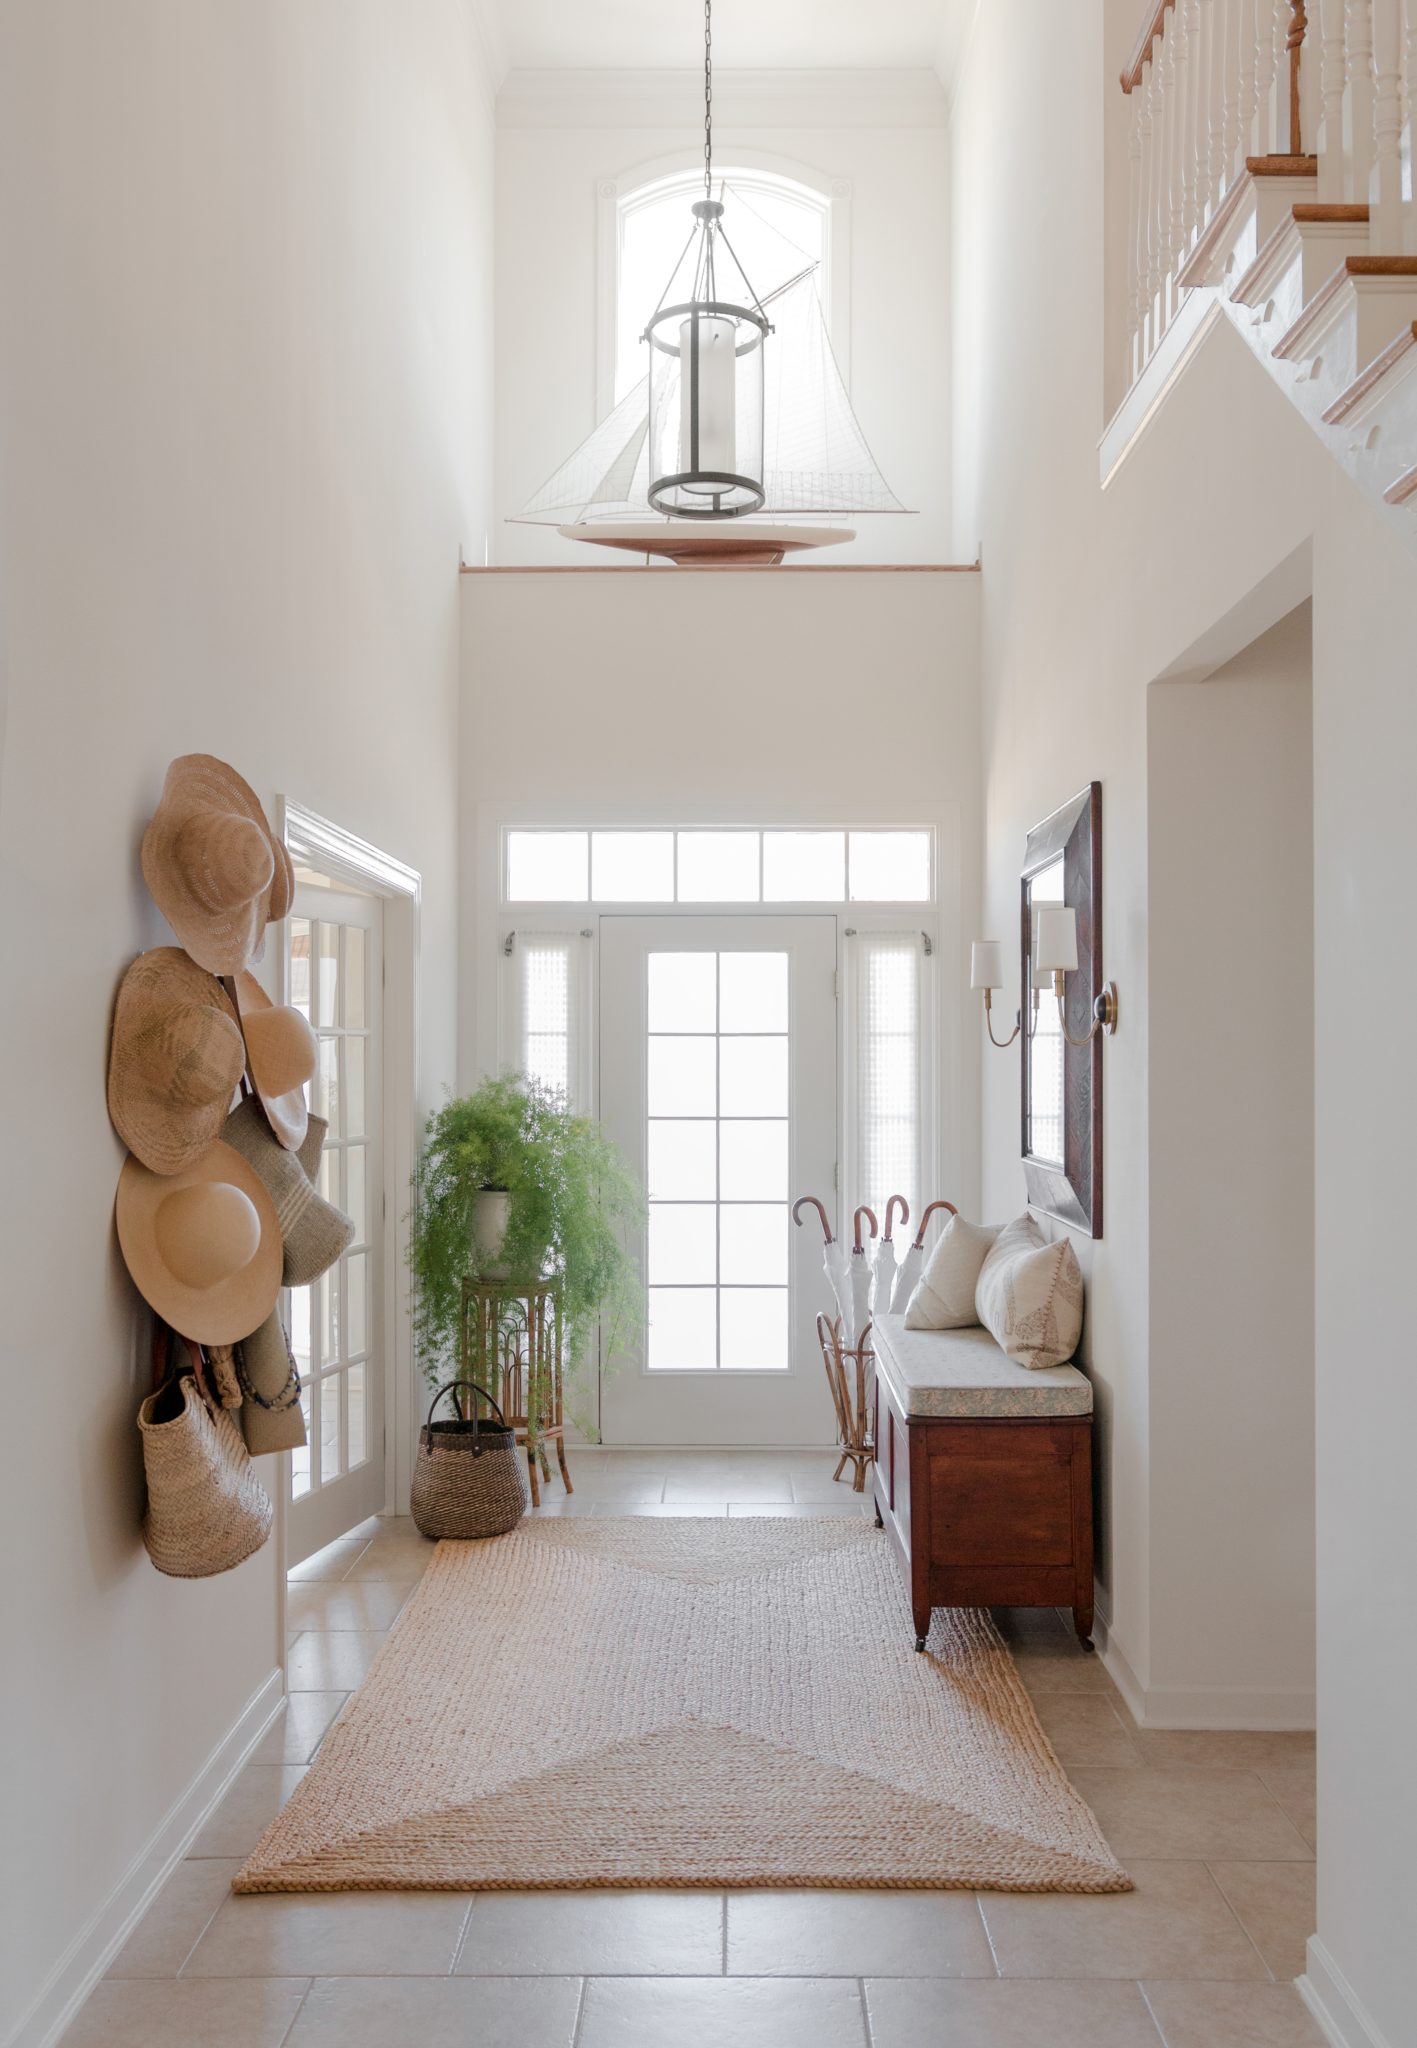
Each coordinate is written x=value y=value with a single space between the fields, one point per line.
x=706 y=365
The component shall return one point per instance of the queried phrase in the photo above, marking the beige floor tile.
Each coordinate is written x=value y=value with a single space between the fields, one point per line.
x=334 y=1934
x=1295 y=1787
x=1061 y=1666
x=129 y=2014
x=850 y=1509
x=1223 y=1749
x=167 y=1933
x=820 y=1485
x=1190 y=1813
x=256 y=1797
x=721 y=2012
x=1231 y=2016
x=663 y=1508
x=332 y=1562
x=622 y=1481
x=558 y=1506
x=348 y=1604
x=1277 y=1907
x=848 y=1934
x=1175 y=1924
x=1085 y=1728
x=728 y=1486
x=299 y=1728
x=1007 y=2013
x=517 y=1934
x=334 y=1662
x=1039 y=1627
x=438 y=2012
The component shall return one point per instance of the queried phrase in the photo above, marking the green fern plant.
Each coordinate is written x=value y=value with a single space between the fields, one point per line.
x=573 y=1200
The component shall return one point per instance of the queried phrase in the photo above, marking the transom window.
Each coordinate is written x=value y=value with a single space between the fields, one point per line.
x=730 y=865
x=717 y=1160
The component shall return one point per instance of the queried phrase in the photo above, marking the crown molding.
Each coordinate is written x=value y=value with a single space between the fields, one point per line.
x=742 y=99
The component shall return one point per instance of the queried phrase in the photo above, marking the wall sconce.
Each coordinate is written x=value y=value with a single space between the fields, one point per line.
x=1056 y=955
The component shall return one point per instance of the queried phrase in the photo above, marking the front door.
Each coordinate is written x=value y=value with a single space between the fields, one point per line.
x=335 y=976
x=718 y=1080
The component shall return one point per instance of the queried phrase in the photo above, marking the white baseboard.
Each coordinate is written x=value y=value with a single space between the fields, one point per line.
x=95 y=1945
x=1202 y=1706
x=1334 y=2003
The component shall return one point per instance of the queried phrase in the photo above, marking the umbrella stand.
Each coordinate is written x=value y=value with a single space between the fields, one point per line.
x=847 y=1378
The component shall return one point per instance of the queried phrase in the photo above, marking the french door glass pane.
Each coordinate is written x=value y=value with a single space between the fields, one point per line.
x=331 y=1461
x=752 y=1160
x=752 y=1244
x=753 y=1329
x=357 y=1389
x=681 y=1166
x=682 y=1334
x=753 y=1076
x=681 y=1077
x=356 y=995
x=752 y=991
x=681 y=992
x=681 y=1246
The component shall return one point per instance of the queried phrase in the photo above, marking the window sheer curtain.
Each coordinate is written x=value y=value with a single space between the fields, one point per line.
x=884 y=1066
x=551 y=976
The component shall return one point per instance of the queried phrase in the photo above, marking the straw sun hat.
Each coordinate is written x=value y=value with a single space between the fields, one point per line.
x=176 y=1058
x=313 y=1230
x=216 y=870
x=203 y=1245
x=283 y=1055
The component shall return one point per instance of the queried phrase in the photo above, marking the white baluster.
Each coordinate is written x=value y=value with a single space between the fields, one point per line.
x=1176 y=138
x=1134 y=285
x=1274 y=21
x=1186 y=68
x=1385 y=188
x=1250 y=15
x=1358 y=114
x=1151 y=273
x=1215 y=179
x=1231 y=11
x=1333 y=166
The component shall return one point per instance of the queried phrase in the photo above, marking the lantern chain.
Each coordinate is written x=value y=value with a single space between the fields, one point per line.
x=708 y=99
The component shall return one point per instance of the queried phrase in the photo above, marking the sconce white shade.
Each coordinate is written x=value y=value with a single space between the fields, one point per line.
x=1057 y=947
x=986 y=964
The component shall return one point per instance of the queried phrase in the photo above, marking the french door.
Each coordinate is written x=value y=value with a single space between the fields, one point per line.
x=335 y=976
x=718 y=1080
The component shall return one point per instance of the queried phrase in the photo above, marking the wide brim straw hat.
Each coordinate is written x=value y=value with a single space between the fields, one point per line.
x=313 y=1230
x=282 y=1055
x=271 y=1416
x=204 y=1245
x=216 y=870
x=175 y=1061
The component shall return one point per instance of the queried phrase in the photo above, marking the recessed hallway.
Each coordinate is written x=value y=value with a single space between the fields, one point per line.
x=1217 y=1831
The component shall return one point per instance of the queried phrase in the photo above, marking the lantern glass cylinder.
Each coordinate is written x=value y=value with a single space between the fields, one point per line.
x=706 y=410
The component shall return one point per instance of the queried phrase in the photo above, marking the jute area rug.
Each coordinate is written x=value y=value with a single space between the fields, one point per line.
x=696 y=1702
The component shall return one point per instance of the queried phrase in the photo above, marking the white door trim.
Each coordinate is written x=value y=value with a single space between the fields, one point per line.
x=330 y=850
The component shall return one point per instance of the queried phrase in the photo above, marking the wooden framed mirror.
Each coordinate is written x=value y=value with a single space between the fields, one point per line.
x=1062 y=1083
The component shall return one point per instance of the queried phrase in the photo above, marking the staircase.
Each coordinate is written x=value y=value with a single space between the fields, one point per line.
x=1272 y=182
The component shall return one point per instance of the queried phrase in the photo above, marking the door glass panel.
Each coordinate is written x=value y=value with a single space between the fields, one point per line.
x=752 y=1161
x=753 y=1076
x=547 y=867
x=890 y=867
x=804 y=867
x=681 y=1077
x=327 y=974
x=681 y=992
x=682 y=1333
x=354 y=1199
x=681 y=1243
x=752 y=992
x=356 y=998
x=356 y=1388
x=300 y=1459
x=632 y=867
x=718 y=867
x=331 y=1461
x=327 y=1102
x=681 y=1161
x=355 y=1106
x=300 y=965
x=753 y=1329
x=356 y=1297
x=752 y=1244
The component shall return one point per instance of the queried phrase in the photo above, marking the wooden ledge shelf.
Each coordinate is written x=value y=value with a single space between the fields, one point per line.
x=797 y=569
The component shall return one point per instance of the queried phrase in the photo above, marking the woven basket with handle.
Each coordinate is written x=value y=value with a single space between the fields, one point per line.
x=467 y=1477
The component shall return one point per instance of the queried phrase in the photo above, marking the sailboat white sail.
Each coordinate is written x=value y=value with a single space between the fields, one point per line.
x=816 y=462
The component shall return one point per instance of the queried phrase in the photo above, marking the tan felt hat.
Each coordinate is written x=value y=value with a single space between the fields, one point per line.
x=271 y=1415
x=283 y=1055
x=203 y=1246
x=313 y=1230
x=216 y=870
x=175 y=1060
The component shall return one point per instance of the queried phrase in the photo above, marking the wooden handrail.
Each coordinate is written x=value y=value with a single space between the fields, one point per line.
x=1151 y=28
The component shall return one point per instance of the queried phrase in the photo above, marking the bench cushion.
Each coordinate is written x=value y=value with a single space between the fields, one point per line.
x=963 y=1372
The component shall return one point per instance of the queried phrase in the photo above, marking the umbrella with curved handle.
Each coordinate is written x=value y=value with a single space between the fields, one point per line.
x=858 y=1279
x=883 y=1266
x=835 y=1256
x=908 y=1272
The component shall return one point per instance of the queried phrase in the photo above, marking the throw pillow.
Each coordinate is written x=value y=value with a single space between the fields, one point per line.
x=1030 y=1296
x=943 y=1297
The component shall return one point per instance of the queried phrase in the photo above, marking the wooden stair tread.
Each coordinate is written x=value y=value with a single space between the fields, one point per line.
x=1282 y=166
x=1321 y=210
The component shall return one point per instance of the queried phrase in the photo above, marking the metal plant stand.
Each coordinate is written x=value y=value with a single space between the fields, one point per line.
x=848 y=1369
x=511 y=1340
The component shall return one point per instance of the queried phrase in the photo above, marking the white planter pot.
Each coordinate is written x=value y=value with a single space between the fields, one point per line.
x=491 y=1216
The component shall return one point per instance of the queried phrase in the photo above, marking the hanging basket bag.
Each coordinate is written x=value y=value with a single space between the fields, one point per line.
x=467 y=1477
x=207 y=1511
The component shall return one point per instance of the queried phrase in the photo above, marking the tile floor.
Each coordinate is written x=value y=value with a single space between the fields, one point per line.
x=1217 y=1831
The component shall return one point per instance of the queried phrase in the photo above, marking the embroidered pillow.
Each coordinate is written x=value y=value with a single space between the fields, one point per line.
x=1029 y=1296
x=943 y=1298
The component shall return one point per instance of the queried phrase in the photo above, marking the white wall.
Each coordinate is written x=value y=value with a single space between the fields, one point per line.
x=246 y=335
x=1230 y=864
x=892 y=174
x=829 y=699
x=1087 y=597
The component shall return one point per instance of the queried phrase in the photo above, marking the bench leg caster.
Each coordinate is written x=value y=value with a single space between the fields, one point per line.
x=920 y=1643
x=879 y=1523
x=1089 y=1645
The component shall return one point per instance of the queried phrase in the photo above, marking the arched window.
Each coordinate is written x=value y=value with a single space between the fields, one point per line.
x=776 y=226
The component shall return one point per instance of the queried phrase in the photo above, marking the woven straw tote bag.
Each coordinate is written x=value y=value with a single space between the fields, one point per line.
x=467 y=1477
x=207 y=1511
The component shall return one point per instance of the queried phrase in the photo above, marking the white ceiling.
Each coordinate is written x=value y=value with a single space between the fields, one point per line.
x=572 y=35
